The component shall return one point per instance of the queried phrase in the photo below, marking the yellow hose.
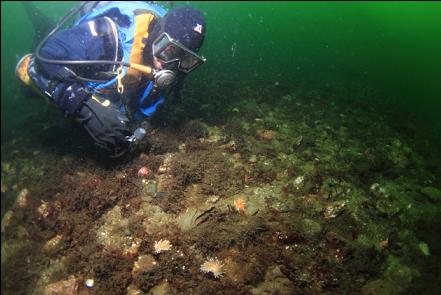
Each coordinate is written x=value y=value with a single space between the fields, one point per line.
x=145 y=69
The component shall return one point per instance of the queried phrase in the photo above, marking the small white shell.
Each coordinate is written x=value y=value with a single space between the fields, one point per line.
x=89 y=283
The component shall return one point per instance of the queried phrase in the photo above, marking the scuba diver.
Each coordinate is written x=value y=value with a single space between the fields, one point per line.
x=111 y=69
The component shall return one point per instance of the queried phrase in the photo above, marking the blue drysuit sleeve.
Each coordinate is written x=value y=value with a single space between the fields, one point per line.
x=68 y=96
x=82 y=42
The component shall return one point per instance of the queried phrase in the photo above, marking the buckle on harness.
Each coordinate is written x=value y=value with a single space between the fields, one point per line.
x=119 y=80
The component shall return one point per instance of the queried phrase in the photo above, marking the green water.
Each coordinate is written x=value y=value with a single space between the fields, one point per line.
x=390 y=46
x=380 y=56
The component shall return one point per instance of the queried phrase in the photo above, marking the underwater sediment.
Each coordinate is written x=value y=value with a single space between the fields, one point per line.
x=312 y=194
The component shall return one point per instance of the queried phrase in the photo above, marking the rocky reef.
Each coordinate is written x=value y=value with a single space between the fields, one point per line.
x=313 y=193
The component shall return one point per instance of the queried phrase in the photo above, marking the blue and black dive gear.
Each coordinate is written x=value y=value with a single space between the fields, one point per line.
x=88 y=87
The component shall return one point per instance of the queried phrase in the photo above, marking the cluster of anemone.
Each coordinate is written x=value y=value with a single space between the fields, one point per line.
x=162 y=246
x=213 y=266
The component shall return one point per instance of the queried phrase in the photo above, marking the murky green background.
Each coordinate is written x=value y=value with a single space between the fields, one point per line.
x=389 y=49
x=390 y=46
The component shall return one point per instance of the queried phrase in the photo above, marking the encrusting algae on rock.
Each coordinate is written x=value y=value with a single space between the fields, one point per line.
x=290 y=212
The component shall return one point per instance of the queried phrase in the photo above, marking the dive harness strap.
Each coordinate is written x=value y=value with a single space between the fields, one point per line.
x=141 y=33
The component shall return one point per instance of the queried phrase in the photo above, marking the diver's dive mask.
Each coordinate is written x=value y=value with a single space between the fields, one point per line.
x=168 y=51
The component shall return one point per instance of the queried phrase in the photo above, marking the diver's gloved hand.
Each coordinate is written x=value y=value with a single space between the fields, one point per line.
x=106 y=125
x=70 y=99
x=138 y=135
x=67 y=95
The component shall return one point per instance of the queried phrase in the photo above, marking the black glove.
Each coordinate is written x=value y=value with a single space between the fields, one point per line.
x=106 y=125
x=67 y=95
x=71 y=99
